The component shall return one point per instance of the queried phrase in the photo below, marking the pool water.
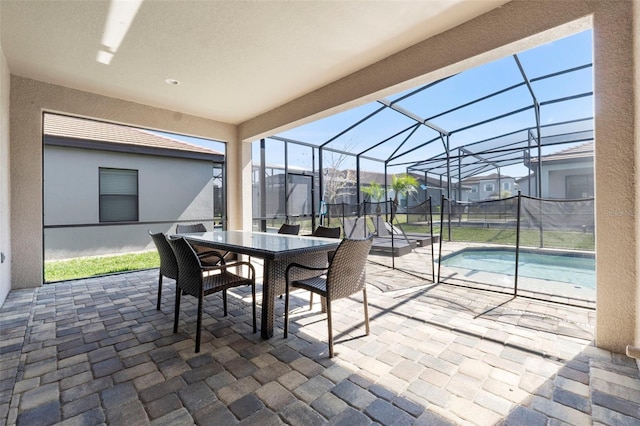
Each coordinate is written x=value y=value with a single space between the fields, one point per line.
x=573 y=269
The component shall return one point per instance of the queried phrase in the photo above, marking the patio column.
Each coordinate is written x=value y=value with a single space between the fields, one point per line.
x=617 y=158
x=239 y=189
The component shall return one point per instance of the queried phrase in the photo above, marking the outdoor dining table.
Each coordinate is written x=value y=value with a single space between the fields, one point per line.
x=277 y=251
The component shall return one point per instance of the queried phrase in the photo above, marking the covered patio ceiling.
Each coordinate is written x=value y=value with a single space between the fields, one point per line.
x=497 y=115
x=234 y=60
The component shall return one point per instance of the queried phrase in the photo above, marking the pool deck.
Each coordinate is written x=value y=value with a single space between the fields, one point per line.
x=418 y=263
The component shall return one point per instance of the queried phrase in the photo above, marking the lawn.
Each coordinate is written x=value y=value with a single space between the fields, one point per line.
x=82 y=267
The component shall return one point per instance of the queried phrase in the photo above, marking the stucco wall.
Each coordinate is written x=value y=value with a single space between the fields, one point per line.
x=513 y=27
x=636 y=104
x=616 y=179
x=169 y=189
x=557 y=178
x=29 y=98
x=5 y=229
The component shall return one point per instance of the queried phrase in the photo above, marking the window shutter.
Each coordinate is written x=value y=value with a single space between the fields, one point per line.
x=118 y=195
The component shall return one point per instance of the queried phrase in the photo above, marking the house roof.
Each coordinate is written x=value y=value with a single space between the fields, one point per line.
x=492 y=176
x=62 y=130
x=584 y=150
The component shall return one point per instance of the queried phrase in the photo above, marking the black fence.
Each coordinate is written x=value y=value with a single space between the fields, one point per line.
x=556 y=233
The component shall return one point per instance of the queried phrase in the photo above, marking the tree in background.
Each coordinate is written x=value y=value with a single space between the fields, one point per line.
x=402 y=184
x=374 y=191
x=339 y=179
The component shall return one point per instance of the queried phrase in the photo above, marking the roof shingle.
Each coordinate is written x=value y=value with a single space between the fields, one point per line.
x=90 y=130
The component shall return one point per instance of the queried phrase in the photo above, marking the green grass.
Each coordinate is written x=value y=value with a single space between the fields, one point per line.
x=82 y=267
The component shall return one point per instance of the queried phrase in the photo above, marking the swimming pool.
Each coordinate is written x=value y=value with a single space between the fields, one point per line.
x=573 y=268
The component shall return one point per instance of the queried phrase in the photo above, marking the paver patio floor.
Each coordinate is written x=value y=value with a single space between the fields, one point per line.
x=97 y=351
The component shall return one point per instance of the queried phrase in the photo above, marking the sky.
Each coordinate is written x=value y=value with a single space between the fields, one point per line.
x=572 y=51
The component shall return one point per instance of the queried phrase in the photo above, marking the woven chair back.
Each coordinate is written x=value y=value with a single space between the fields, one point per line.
x=346 y=273
x=189 y=268
x=289 y=229
x=323 y=231
x=168 y=262
x=190 y=229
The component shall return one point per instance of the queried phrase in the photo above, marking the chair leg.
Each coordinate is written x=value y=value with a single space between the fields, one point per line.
x=366 y=309
x=199 y=323
x=310 y=300
x=329 y=326
x=176 y=315
x=224 y=301
x=286 y=311
x=159 y=290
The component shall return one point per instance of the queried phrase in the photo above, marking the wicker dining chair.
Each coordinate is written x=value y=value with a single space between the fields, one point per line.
x=344 y=277
x=207 y=255
x=193 y=281
x=325 y=232
x=289 y=229
x=168 y=263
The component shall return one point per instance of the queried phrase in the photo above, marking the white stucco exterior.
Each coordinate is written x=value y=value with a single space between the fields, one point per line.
x=5 y=193
x=554 y=178
x=487 y=189
x=169 y=189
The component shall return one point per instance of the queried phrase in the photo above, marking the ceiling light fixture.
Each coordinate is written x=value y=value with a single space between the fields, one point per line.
x=119 y=19
x=172 y=81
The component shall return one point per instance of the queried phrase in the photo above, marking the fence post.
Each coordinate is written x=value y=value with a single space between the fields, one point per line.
x=449 y=220
x=515 y=286
x=541 y=219
x=433 y=263
x=440 y=241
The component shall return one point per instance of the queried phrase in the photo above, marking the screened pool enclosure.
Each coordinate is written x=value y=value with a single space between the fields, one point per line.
x=506 y=122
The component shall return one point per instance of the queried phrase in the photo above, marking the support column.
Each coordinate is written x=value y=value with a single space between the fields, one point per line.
x=239 y=186
x=617 y=158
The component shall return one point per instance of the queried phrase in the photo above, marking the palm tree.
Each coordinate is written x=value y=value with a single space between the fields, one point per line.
x=374 y=191
x=402 y=184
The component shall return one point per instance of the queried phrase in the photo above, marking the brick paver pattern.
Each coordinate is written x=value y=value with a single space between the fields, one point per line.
x=97 y=351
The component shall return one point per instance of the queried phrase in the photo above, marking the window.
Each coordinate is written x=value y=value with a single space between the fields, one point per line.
x=118 y=195
x=506 y=186
x=488 y=187
x=579 y=186
x=474 y=189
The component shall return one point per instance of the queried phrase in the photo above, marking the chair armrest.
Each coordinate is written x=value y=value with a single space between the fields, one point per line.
x=223 y=267
x=203 y=255
x=298 y=265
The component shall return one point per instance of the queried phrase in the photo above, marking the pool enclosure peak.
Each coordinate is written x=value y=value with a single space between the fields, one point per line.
x=494 y=116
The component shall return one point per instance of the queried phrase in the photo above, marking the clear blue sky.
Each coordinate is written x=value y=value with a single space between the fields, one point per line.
x=559 y=55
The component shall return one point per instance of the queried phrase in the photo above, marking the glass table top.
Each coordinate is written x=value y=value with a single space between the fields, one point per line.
x=262 y=242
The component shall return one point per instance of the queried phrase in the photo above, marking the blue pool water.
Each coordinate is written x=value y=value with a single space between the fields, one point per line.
x=573 y=269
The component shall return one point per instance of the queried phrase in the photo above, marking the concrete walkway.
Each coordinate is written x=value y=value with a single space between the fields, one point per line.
x=97 y=351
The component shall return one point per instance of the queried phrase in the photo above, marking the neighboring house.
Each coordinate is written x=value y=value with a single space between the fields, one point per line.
x=566 y=174
x=299 y=197
x=489 y=187
x=345 y=180
x=106 y=185
x=339 y=187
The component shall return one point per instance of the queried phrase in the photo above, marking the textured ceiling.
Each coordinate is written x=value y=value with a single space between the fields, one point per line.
x=234 y=59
